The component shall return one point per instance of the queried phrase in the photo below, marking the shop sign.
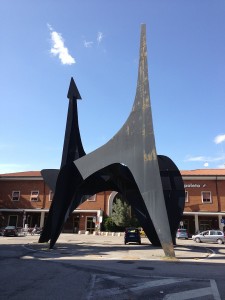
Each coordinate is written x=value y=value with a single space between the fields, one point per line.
x=193 y=185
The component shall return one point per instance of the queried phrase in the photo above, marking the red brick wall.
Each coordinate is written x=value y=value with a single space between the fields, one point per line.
x=25 y=187
x=217 y=189
x=101 y=202
x=194 y=203
x=221 y=192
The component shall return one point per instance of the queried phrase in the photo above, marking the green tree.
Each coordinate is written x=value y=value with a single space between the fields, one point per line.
x=109 y=225
x=121 y=213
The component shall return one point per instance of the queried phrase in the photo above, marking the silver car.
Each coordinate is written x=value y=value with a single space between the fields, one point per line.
x=209 y=236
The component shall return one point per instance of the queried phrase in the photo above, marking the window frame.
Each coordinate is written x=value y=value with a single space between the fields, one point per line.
x=186 y=197
x=50 y=196
x=202 y=196
x=33 y=196
x=15 y=196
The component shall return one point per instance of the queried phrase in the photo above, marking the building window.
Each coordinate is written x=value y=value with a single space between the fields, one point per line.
x=186 y=196
x=13 y=220
x=15 y=195
x=91 y=198
x=206 y=197
x=34 y=195
x=51 y=194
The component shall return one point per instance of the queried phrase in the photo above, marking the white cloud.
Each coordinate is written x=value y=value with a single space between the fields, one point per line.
x=88 y=44
x=59 y=49
x=206 y=158
x=219 y=138
x=206 y=165
x=195 y=158
x=99 y=37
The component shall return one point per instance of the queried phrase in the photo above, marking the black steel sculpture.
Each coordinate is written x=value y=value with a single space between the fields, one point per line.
x=128 y=163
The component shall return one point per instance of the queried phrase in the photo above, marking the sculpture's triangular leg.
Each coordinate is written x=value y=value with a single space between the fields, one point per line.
x=134 y=146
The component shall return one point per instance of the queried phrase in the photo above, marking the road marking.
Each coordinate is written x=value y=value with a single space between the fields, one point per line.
x=189 y=294
x=215 y=290
x=95 y=292
x=155 y=283
x=212 y=290
x=134 y=288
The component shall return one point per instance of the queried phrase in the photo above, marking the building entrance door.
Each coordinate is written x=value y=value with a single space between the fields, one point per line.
x=12 y=220
x=90 y=224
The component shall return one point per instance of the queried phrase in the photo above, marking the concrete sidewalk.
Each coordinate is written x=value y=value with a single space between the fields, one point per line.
x=98 y=247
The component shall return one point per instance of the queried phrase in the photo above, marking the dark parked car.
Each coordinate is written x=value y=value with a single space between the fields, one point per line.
x=132 y=235
x=10 y=231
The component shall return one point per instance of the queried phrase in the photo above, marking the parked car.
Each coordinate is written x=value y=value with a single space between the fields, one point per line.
x=132 y=235
x=209 y=236
x=182 y=233
x=10 y=231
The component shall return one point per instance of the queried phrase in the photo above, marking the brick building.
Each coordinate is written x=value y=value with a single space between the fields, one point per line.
x=204 y=199
x=25 y=199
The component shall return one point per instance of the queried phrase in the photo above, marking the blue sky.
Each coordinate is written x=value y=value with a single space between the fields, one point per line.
x=45 y=43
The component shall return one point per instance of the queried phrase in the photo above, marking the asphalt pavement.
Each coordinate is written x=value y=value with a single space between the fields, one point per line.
x=95 y=267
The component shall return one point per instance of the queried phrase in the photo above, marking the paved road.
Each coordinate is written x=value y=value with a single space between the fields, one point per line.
x=102 y=267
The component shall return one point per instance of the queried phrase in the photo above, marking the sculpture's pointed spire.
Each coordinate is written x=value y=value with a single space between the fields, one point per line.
x=73 y=92
x=73 y=148
x=142 y=82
